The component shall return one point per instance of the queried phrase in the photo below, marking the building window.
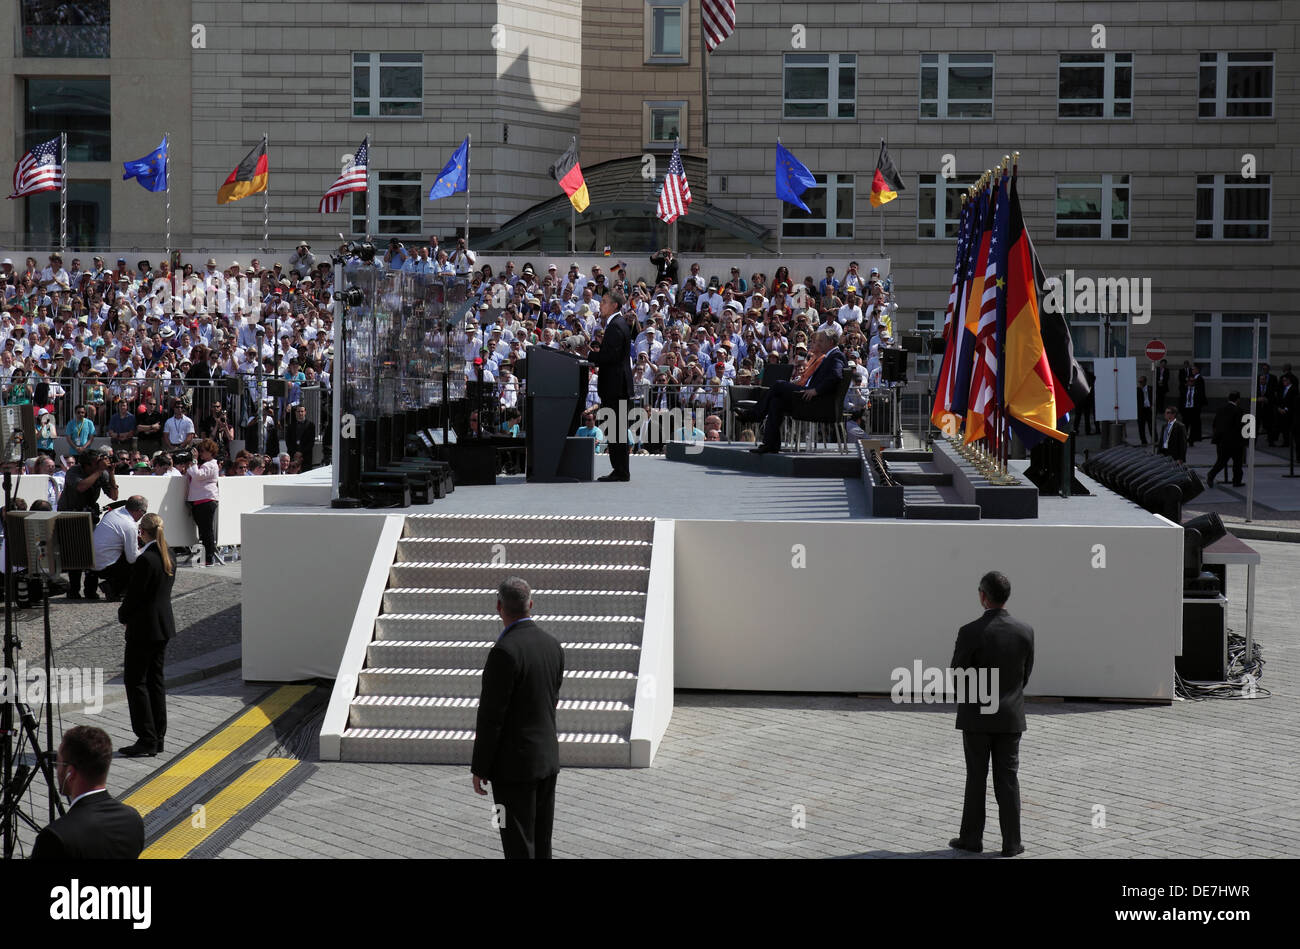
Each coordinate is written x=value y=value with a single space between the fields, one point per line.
x=821 y=85
x=79 y=107
x=88 y=217
x=1221 y=343
x=956 y=85
x=388 y=85
x=666 y=32
x=927 y=324
x=1230 y=207
x=831 y=203
x=663 y=123
x=1092 y=207
x=938 y=204
x=55 y=28
x=1095 y=86
x=399 y=211
x=1086 y=332
x=1236 y=86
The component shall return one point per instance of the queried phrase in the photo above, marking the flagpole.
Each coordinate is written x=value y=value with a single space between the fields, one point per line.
x=573 y=211
x=63 y=194
x=676 y=248
x=167 y=177
x=468 y=148
x=266 y=197
x=780 y=213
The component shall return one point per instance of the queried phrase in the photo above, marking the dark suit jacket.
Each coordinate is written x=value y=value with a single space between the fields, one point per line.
x=147 y=604
x=1162 y=380
x=516 y=738
x=1177 y=441
x=1227 y=426
x=1144 y=411
x=1288 y=402
x=828 y=374
x=614 y=381
x=300 y=438
x=97 y=827
x=996 y=641
x=1268 y=388
x=1198 y=394
x=665 y=269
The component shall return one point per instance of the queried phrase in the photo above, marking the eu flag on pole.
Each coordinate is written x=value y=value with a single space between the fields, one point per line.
x=792 y=178
x=454 y=175
x=151 y=170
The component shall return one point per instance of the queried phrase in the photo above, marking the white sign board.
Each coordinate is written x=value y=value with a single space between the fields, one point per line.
x=1116 y=389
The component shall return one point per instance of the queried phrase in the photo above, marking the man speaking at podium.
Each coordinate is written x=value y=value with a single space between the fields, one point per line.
x=614 y=380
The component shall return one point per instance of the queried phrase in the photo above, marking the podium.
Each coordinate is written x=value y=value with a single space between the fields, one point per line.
x=555 y=393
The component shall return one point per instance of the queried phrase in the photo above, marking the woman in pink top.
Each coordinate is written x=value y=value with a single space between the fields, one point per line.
x=202 y=494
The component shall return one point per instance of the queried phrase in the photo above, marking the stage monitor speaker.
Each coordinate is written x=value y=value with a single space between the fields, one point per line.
x=1210 y=526
x=1205 y=641
x=51 y=542
x=17 y=432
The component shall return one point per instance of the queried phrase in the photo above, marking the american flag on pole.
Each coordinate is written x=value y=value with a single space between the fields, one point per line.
x=676 y=195
x=719 y=19
x=352 y=179
x=39 y=170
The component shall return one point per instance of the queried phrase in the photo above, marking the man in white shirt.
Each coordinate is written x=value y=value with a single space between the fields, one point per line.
x=178 y=431
x=54 y=277
x=117 y=544
x=850 y=311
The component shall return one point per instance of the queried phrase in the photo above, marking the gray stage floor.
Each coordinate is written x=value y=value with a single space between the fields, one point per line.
x=661 y=488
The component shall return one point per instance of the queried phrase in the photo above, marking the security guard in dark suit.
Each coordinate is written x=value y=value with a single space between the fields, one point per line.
x=146 y=611
x=516 y=746
x=996 y=642
x=96 y=827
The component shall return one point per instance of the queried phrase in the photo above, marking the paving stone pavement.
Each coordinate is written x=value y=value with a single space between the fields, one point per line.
x=745 y=775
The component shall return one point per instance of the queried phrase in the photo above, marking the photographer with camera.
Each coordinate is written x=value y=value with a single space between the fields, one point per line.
x=85 y=481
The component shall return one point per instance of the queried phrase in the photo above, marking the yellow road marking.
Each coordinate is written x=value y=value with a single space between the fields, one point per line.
x=248 y=787
x=181 y=774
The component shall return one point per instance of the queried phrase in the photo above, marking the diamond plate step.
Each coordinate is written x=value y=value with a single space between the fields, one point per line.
x=505 y=551
x=456 y=746
x=609 y=685
x=441 y=627
x=479 y=600
x=596 y=577
x=522 y=526
x=418 y=711
x=416 y=654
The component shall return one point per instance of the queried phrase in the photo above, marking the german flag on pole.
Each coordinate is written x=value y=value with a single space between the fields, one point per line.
x=249 y=178
x=568 y=173
x=886 y=183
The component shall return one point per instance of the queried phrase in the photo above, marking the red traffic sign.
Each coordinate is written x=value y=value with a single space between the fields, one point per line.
x=1156 y=350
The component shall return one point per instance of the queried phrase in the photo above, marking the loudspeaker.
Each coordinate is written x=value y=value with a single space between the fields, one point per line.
x=279 y=388
x=893 y=365
x=1210 y=525
x=473 y=463
x=1205 y=641
x=913 y=343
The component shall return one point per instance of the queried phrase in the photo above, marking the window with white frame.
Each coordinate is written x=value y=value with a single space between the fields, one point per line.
x=1092 y=207
x=927 y=323
x=831 y=202
x=667 y=32
x=663 y=122
x=1221 y=343
x=1236 y=86
x=956 y=85
x=399 y=209
x=820 y=85
x=1095 y=86
x=938 y=204
x=388 y=85
x=1087 y=333
x=1230 y=207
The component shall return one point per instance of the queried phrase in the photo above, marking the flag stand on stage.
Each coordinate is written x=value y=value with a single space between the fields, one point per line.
x=266 y=203
x=468 y=148
x=167 y=172
x=780 y=212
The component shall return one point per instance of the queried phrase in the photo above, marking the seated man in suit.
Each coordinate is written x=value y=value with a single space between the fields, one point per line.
x=819 y=379
x=96 y=827
x=1172 y=438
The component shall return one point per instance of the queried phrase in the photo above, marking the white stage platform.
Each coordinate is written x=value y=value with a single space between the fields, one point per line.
x=781 y=584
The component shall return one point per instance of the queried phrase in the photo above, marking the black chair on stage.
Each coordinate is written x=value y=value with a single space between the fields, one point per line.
x=804 y=418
